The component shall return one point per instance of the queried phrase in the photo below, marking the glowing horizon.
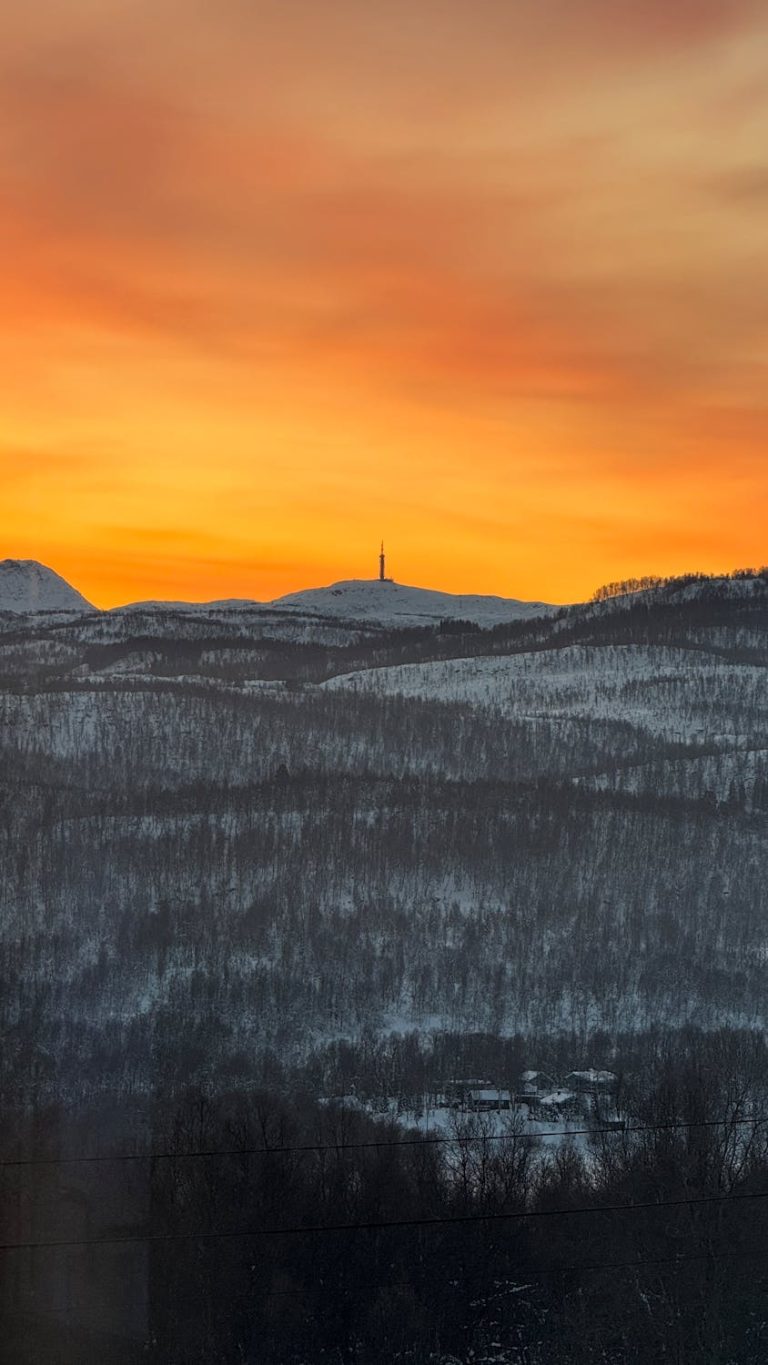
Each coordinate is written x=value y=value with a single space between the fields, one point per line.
x=362 y=577
x=280 y=278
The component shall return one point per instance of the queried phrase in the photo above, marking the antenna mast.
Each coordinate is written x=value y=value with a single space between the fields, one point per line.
x=382 y=565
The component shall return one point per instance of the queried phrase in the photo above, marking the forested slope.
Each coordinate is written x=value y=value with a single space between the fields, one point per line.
x=217 y=841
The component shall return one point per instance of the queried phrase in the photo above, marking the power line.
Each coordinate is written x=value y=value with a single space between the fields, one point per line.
x=424 y=1140
x=309 y=1230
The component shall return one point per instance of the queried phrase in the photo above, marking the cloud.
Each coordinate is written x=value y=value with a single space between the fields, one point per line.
x=277 y=245
x=505 y=236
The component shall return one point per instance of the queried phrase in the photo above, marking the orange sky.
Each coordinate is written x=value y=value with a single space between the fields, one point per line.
x=281 y=276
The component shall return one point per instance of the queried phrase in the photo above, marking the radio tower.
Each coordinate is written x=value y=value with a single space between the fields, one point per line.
x=382 y=565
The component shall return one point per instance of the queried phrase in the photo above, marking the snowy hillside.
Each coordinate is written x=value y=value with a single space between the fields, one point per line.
x=361 y=599
x=265 y=831
x=661 y=690
x=26 y=586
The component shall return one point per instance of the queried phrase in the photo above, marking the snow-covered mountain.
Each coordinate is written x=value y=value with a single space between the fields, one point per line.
x=26 y=586
x=366 y=601
x=361 y=604
x=362 y=599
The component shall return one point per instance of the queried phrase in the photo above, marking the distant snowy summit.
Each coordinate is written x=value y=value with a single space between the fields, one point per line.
x=26 y=586
x=29 y=587
x=371 y=601
x=363 y=599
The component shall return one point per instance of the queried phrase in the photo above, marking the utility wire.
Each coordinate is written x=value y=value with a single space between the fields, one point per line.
x=517 y=1215
x=425 y=1140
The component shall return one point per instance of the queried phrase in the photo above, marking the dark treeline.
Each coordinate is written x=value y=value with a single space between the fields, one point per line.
x=684 y=1283
x=488 y=1290
x=677 y=583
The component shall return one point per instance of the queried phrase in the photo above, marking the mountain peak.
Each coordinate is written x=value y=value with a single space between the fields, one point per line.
x=368 y=599
x=27 y=586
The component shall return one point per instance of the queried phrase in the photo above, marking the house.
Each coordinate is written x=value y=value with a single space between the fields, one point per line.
x=559 y=1103
x=479 y=1096
x=590 y=1081
x=487 y=1099
x=534 y=1083
x=457 y=1092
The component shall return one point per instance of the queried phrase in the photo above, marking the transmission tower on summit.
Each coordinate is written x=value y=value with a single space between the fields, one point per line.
x=383 y=566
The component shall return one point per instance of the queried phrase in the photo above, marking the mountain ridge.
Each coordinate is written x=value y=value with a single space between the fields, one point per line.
x=28 y=587
x=366 y=599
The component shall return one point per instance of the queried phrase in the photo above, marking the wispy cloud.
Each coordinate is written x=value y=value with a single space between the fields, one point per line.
x=262 y=231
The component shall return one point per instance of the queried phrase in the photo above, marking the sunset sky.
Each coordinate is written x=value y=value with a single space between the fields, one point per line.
x=279 y=277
